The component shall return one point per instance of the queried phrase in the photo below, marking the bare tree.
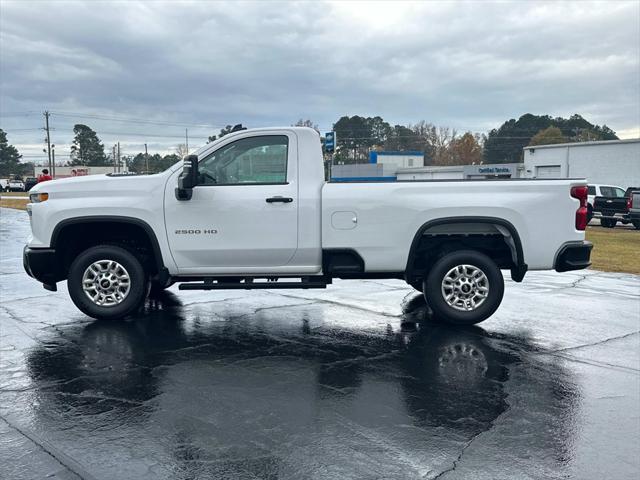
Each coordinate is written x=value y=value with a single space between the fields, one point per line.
x=435 y=142
x=307 y=123
x=181 y=150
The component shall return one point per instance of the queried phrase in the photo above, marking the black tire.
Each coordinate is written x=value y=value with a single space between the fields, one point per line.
x=608 y=223
x=137 y=278
x=589 y=213
x=636 y=224
x=433 y=288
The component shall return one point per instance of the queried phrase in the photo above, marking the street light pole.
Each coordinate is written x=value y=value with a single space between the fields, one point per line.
x=146 y=158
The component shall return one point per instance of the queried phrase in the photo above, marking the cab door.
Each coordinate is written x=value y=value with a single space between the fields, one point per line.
x=243 y=214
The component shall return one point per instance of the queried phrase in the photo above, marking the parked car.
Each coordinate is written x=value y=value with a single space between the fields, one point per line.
x=29 y=182
x=596 y=190
x=252 y=210
x=633 y=207
x=16 y=185
x=611 y=208
x=4 y=184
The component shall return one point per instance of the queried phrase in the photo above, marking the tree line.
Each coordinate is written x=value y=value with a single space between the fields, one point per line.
x=356 y=137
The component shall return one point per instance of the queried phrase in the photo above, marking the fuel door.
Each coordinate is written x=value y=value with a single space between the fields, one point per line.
x=344 y=220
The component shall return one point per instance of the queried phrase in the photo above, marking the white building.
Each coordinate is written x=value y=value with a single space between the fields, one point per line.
x=614 y=162
x=395 y=160
x=461 y=172
x=382 y=166
x=81 y=171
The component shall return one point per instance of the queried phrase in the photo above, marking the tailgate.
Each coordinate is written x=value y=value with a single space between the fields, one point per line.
x=610 y=204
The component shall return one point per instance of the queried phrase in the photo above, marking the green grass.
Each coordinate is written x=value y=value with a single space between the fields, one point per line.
x=14 y=194
x=615 y=249
x=19 y=203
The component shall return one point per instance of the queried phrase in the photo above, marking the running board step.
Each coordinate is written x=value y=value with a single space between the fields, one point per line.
x=250 y=286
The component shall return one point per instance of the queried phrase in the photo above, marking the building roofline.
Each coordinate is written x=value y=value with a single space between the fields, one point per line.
x=391 y=152
x=583 y=144
x=457 y=168
x=431 y=168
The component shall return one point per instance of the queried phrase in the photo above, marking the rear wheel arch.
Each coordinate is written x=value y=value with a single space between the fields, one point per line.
x=504 y=228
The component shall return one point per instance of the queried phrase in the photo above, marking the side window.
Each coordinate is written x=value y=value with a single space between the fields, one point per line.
x=618 y=192
x=592 y=190
x=606 y=191
x=247 y=161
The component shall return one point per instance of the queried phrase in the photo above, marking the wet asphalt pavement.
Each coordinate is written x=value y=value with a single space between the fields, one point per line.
x=352 y=382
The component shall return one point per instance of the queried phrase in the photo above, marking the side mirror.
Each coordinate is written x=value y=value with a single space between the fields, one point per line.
x=188 y=178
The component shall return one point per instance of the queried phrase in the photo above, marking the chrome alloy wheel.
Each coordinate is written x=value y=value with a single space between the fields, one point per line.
x=465 y=287
x=106 y=283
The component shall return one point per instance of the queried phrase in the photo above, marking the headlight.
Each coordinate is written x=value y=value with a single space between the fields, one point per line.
x=38 y=197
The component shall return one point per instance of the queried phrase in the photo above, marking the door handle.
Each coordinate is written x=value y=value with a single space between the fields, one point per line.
x=279 y=199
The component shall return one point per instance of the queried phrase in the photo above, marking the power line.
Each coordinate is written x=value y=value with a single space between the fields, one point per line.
x=18 y=114
x=133 y=120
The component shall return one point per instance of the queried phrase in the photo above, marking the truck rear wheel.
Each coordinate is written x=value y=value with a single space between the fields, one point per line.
x=107 y=282
x=464 y=287
x=608 y=222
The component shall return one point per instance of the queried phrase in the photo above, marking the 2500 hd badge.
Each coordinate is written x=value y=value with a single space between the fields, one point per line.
x=197 y=231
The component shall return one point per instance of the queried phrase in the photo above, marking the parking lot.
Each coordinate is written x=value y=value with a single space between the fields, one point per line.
x=357 y=381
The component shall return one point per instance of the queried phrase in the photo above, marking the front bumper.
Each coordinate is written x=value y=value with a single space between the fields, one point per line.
x=573 y=256
x=41 y=264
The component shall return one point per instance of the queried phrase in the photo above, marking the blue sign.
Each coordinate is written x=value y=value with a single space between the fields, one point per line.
x=330 y=142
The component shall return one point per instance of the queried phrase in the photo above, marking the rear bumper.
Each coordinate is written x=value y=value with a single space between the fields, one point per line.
x=573 y=256
x=41 y=264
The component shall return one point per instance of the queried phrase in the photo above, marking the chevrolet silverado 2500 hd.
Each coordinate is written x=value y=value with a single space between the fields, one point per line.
x=252 y=210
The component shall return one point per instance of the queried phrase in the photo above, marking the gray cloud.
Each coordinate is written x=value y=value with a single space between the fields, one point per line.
x=467 y=65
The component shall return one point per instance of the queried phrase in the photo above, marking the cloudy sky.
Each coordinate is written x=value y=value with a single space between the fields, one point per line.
x=141 y=72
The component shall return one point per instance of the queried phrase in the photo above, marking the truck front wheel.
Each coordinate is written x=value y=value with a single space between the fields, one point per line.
x=107 y=282
x=464 y=287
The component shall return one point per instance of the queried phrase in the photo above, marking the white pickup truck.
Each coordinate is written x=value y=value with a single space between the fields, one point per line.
x=252 y=210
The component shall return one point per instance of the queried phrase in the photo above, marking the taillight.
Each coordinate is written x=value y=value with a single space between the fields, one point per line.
x=630 y=202
x=581 y=193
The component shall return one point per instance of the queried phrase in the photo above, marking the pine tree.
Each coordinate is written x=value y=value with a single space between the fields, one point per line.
x=87 y=149
x=9 y=157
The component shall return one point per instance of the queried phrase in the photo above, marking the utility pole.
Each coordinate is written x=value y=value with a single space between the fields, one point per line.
x=113 y=156
x=146 y=158
x=53 y=162
x=186 y=137
x=46 y=122
x=118 y=157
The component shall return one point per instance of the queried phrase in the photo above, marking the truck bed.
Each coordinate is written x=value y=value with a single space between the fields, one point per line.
x=379 y=219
